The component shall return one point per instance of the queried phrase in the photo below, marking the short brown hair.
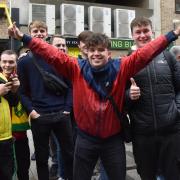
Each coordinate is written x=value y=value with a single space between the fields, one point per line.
x=140 y=21
x=83 y=36
x=98 y=39
x=9 y=52
x=56 y=36
x=37 y=24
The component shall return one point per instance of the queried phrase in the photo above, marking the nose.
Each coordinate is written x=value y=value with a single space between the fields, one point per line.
x=39 y=33
x=142 y=34
x=7 y=64
x=96 y=52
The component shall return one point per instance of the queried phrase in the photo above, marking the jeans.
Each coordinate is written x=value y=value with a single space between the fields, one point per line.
x=6 y=159
x=111 y=152
x=41 y=131
x=103 y=174
x=56 y=155
x=159 y=177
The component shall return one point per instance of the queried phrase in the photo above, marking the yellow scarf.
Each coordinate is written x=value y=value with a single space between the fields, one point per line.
x=19 y=118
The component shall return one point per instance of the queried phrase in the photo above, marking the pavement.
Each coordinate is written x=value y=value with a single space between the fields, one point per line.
x=131 y=167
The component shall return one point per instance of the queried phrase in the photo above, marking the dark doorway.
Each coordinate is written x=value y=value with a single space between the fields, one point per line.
x=4 y=44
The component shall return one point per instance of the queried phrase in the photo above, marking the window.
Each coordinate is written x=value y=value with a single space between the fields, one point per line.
x=177 y=6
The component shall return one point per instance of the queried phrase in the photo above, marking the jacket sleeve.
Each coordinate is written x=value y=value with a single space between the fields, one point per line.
x=62 y=62
x=176 y=80
x=23 y=89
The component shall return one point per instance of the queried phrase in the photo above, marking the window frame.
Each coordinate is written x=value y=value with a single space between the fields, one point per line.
x=177 y=10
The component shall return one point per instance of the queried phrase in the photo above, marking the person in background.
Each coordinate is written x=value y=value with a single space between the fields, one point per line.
x=154 y=111
x=57 y=167
x=99 y=128
x=81 y=40
x=22 y=51
x=19 y=121
x=175 y=50
x=9 y=84
x=47 y=110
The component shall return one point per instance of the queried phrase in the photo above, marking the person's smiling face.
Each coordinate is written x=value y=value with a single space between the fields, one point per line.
x=98 y=56
x=142 y=35
x=8 y=64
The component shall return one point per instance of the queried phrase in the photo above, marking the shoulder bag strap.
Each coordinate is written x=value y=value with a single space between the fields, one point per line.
x=115 y=107
x=40 y=69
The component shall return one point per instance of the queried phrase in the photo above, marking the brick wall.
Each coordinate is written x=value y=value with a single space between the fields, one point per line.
x=3 y=28
x=167 y=16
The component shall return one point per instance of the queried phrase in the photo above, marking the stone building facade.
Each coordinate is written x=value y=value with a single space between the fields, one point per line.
x=162 y=13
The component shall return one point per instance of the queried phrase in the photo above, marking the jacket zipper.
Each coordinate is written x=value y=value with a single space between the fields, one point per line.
x=152 y=96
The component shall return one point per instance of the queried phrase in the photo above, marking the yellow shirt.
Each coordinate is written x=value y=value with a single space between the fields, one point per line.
x=5 y=118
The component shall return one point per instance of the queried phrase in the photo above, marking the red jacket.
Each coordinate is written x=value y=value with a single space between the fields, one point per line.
x=94 y=116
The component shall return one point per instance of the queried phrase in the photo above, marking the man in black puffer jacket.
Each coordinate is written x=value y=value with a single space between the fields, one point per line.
x=155 y=115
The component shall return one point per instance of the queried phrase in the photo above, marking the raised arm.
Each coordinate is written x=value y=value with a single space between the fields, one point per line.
x=63 y=63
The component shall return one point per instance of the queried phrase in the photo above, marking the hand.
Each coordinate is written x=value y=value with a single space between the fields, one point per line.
x=177 y=31
x=5 y=88
x=34 y=114
x=14 y=32
x=135 y=92
x=15 y=82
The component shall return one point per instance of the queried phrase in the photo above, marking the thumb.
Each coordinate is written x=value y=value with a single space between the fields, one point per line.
x=133 y=82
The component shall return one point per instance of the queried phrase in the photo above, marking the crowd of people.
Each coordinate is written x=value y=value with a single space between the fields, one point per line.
x=75 y=106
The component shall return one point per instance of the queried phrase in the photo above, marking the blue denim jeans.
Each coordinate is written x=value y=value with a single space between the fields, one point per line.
x=56 y=155
x=160 y=177
x=103 y=174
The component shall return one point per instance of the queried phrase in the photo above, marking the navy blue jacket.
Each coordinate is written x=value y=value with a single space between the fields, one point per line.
x=34 y=95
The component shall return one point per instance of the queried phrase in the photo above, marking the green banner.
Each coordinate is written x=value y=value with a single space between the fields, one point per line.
x=115 y=43
x=121 y=44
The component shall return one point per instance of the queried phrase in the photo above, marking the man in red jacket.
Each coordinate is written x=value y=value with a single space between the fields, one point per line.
x=99 y=129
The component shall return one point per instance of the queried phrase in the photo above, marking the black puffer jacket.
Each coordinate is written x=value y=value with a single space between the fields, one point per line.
x=157 y=109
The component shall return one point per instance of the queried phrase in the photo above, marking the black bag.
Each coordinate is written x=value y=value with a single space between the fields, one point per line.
x=51 y=82
x=125 y=122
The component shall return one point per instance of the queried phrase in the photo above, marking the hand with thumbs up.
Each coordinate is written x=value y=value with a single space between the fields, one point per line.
x=134 y=92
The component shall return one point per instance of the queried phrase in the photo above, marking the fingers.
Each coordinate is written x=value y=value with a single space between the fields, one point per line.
x=135 y=92
x=14 y=24
x=8 y=84
x=5 y=88
x=135 y=96
x=133 y=82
